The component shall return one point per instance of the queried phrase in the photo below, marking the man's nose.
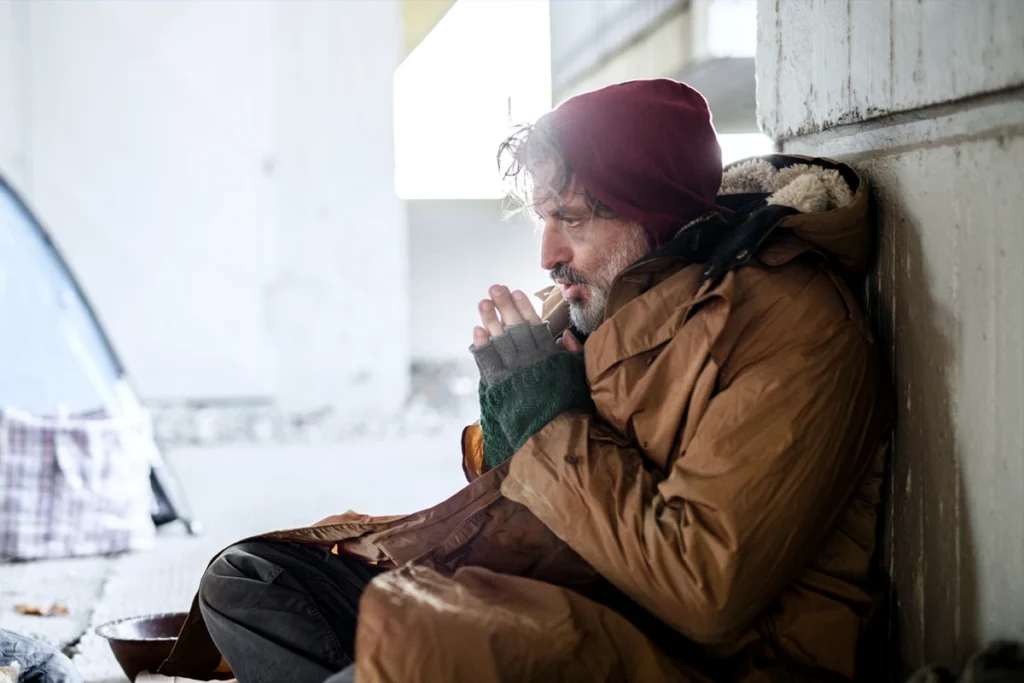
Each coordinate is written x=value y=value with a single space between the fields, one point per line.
x=554 y=249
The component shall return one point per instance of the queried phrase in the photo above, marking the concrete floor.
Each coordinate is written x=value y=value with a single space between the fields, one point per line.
x=235 y=492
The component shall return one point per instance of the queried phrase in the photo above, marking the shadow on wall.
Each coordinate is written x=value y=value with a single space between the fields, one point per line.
x=928 y=546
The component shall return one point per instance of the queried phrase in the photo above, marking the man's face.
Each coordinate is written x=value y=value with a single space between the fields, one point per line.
x=585 y=253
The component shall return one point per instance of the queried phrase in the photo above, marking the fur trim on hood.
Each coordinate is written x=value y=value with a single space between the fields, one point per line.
x=805 y=187
x=830 y=199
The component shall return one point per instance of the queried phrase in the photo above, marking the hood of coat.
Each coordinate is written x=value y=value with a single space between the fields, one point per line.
x=829 y=198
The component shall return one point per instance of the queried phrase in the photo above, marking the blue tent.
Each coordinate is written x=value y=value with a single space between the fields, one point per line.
x=55 y=352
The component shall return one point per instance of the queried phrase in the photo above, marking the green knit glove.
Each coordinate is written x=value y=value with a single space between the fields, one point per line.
x=497 y=449
x=518 y=406
x=519 y=346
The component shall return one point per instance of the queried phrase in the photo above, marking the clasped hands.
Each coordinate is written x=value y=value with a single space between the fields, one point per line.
x=526 y=377
x=504 y=309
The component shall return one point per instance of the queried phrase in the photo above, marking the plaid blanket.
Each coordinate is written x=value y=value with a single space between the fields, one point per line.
x=72 y=486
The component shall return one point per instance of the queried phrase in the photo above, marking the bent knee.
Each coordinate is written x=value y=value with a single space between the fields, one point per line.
x=236 y=577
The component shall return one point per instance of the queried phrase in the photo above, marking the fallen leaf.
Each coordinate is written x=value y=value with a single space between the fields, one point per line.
x=54 y=610
x=31 y=610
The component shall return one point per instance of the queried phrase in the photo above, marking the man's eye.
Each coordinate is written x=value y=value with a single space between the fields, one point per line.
x=572 y=222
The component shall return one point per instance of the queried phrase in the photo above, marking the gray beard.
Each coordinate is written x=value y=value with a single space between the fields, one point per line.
x=587 y=317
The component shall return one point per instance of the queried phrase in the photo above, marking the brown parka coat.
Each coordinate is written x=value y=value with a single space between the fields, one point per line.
x=714 y=520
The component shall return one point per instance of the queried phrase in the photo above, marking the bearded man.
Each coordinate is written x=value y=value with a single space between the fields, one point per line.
x=677 y=471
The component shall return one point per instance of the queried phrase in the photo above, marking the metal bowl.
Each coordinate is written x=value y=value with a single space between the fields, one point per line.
x=142 y=643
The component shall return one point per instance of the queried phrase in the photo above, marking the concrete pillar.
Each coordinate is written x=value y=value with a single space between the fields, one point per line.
x=221 y=178
x=338 y=309
x=140 y=135
x=926 y=100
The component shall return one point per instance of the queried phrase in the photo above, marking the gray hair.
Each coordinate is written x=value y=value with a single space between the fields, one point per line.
x=519 y=156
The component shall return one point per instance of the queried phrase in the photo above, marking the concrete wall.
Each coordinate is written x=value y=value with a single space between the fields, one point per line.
x=709 y=44
x=457 y=249
x=588 y=38
x=659 y=51
x=338 y=305
x=926 y=100
x=220 y=175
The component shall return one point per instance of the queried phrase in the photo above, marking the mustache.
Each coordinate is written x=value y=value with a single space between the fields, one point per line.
x=573 y=277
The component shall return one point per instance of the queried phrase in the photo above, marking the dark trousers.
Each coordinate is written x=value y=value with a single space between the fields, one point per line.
x=284 y=611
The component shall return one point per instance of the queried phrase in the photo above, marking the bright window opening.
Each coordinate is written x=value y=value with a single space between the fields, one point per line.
x=741 y=146
x=732 y=28
x=485 y=68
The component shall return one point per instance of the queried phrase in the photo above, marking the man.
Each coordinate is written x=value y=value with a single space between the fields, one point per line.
x=676 y=477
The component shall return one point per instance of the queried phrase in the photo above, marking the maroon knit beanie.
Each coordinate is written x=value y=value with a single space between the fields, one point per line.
x=647 y=149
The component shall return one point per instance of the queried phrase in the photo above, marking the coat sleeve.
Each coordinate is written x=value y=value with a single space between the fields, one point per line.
x=473 y=464
x=772 y=462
